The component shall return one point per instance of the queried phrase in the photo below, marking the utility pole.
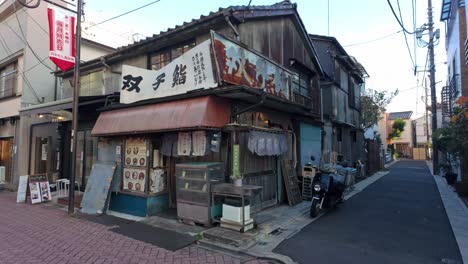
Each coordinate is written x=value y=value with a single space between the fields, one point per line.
x=76 y=94
x=427 y=120
x=435 y=156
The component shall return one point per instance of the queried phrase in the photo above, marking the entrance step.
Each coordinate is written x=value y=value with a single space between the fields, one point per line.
x=230 y=239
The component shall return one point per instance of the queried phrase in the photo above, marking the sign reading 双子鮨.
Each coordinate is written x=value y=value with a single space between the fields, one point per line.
x=238 y=65
x=191 y=71
x=62 y=37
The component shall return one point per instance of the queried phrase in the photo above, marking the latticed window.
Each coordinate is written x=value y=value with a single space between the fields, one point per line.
x=8 y=84
x=164 y=57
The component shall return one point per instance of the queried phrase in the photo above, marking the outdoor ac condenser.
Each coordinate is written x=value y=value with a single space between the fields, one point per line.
x=2 y=174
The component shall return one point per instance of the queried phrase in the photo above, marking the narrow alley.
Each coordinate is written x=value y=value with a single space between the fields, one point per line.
x=398 y=219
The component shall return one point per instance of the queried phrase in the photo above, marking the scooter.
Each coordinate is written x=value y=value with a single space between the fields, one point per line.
x=327 y=190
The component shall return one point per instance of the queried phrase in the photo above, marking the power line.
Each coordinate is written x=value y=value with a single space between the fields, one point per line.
x=126 y=13
x=373 y=40
x=39 y=25
x=406 y=38
x=25 y=39
x=20 y=71
x=398 y=20
x=29 y=46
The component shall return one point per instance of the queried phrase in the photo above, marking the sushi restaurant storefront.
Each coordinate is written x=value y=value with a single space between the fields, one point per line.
x=147 y=140
x=151 y=140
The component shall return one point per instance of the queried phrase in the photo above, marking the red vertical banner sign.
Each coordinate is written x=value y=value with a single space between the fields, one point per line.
x=62 y=37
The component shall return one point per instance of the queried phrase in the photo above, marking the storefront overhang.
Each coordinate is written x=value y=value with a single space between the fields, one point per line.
x=194 y=113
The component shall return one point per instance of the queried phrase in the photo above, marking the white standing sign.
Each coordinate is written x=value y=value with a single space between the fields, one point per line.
x=193 y=70
x=22 y=188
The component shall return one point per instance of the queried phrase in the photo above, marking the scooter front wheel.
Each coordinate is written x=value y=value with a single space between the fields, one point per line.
x=314 y=208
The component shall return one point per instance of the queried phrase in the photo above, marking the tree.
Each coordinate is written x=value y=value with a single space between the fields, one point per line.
x=453 y=139
x=397 y=128
x=373 y=105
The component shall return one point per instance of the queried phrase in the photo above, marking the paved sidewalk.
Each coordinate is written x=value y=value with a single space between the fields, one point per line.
x=457 y=213
x=45 y=234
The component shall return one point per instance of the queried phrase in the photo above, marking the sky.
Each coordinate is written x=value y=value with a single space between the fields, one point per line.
x=387 y=59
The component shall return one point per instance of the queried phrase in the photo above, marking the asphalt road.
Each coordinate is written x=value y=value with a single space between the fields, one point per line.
x=398 y=219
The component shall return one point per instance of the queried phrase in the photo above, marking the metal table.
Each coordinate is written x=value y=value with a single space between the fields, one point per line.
x=243 y=192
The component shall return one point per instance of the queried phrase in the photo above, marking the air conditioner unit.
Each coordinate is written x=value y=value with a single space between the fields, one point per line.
x=2 y=174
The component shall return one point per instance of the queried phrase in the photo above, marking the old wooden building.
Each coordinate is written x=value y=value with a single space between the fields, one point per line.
x=239 y=87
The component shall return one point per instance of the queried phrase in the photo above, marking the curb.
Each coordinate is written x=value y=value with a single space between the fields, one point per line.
x=270 y=255
x=453 y=205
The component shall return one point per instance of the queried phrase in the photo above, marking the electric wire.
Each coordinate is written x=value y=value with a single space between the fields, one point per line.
x=398 y=20
x=20 y=71
x=25 y=39
x=126 y=13
x=30 y=6
x=406 y=38
x=373 y=40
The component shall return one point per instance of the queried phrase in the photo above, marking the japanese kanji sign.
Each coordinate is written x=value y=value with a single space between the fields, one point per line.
x=62 y=37
x=239 y=65
x=193 y=70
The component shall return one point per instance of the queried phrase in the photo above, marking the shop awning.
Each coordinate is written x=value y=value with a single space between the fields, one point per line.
x=193 y=113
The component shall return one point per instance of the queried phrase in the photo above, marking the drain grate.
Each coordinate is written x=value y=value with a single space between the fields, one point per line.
x=277 y=231
x=450 y=261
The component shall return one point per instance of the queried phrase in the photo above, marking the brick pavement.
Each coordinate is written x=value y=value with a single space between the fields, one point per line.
x=45 y=234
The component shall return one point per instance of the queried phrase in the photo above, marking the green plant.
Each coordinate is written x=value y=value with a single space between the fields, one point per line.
x=397 y=128
x=453 y=139
x=373 y=105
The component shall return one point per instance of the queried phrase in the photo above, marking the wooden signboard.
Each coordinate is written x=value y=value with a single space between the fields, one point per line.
x=290 y=182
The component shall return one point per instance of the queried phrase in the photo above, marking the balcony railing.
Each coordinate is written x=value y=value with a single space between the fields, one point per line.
x=97 y=83
x=449 y=94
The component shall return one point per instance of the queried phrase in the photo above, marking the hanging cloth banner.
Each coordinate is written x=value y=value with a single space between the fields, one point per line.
x=62 y=37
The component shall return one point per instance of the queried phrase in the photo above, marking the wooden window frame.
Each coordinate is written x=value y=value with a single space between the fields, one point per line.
x=170 y=53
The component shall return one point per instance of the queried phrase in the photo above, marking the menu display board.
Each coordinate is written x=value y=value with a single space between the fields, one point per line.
x=134 y=179
x=135 y=152
x=39 y=188
x=135 y=161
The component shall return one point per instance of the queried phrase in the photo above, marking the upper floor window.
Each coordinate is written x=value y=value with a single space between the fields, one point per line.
x=165 y=56
x=8 y=80
x=301 y=84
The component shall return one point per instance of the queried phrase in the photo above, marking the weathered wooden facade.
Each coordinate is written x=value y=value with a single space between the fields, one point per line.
x=275 y=32
x=341 y=86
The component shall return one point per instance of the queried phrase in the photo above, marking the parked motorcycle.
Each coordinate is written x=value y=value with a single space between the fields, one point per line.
x=327 y=190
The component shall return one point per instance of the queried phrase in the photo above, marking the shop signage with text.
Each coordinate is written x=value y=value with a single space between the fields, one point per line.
x=238 y=65
x=191 y=71
x=61 y=37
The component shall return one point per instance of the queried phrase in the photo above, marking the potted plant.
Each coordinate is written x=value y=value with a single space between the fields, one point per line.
x=449 y=175
x=452 y=139
x=237 y=179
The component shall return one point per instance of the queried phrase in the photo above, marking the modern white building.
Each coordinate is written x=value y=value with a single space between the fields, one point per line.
x=27 y=82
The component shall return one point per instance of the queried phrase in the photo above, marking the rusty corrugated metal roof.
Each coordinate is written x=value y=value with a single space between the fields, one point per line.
x=200 y=112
